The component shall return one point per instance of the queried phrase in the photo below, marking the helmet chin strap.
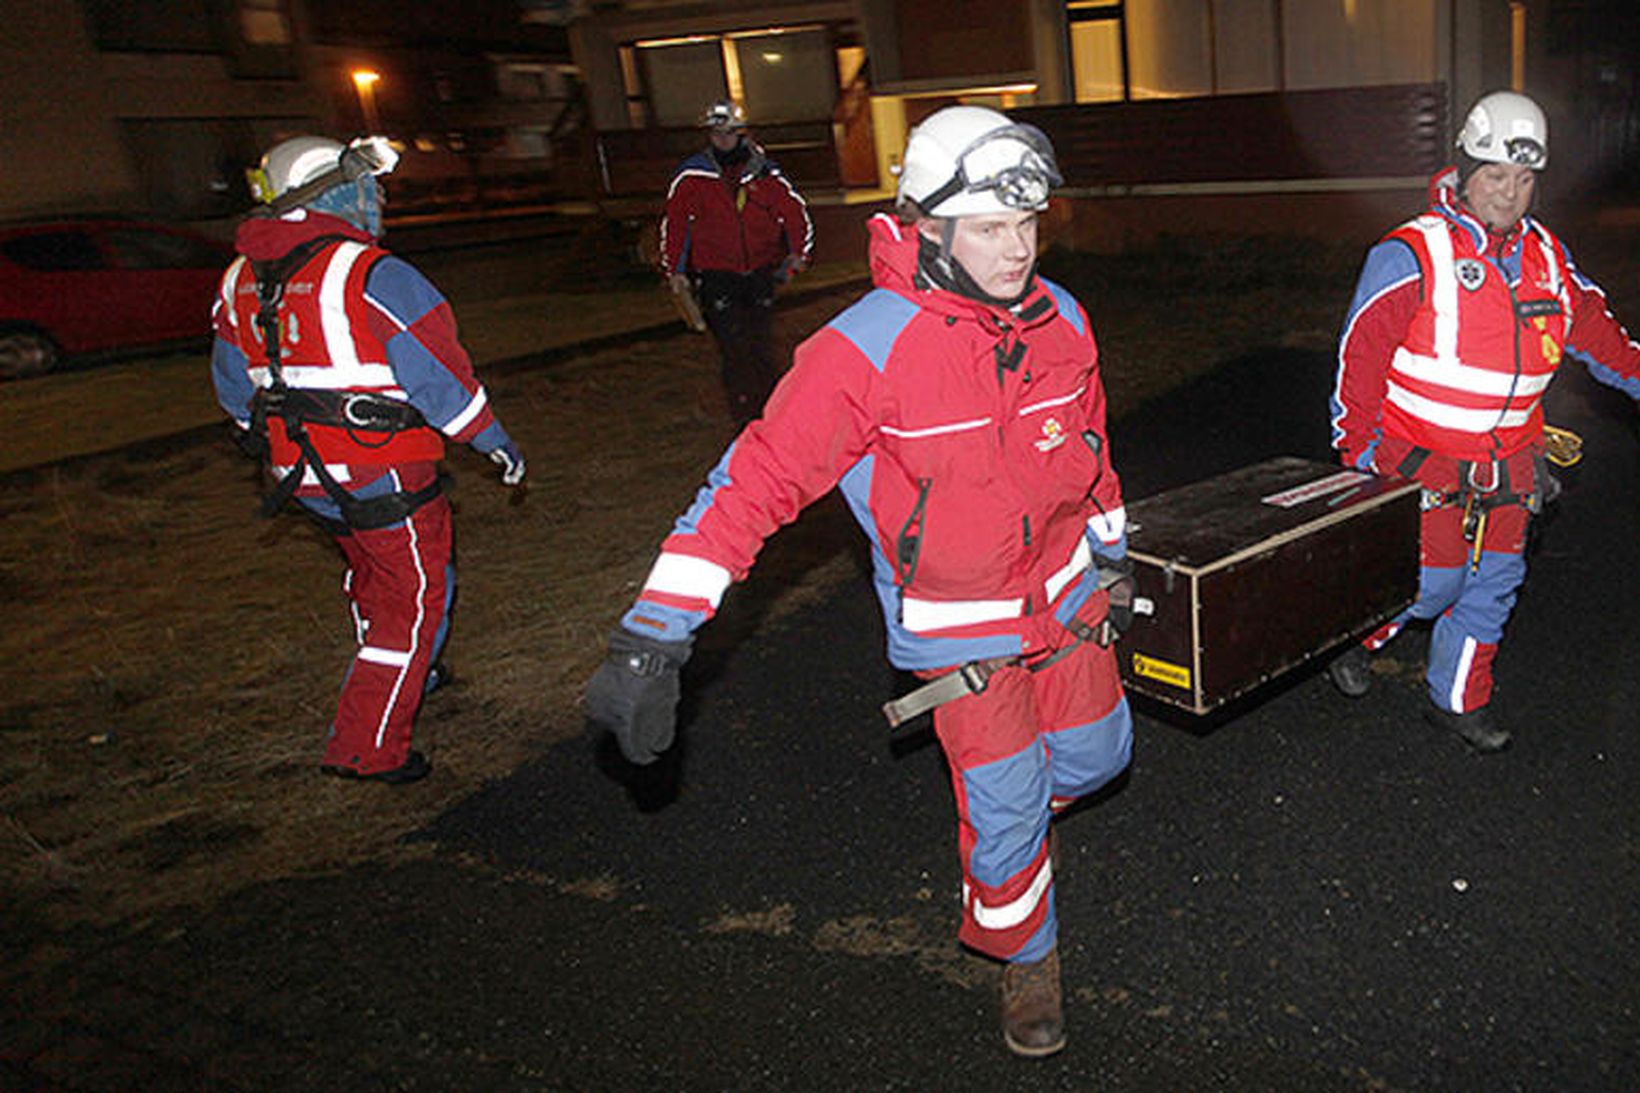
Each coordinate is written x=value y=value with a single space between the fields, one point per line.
x=940 y=268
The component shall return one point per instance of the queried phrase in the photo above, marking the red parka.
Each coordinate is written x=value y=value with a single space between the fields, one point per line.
x=736 y=223
x=969 y=441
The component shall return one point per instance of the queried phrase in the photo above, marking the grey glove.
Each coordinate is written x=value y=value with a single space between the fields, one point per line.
x=1116 y=580
x=1121 y=588
x=634 y=693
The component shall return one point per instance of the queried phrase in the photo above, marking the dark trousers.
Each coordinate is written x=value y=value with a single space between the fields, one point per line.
x=739 y=311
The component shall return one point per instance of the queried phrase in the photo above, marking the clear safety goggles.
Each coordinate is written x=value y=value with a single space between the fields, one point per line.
x=1015 y=161
x=1525 y=152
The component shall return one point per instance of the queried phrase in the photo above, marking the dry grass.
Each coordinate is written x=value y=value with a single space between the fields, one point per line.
x=172 y=660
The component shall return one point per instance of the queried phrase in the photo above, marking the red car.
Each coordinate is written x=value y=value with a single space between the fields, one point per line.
x=89 y=286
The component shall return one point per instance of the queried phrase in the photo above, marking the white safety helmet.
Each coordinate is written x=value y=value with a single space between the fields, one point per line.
x=299 y=162
x=327 y=176
x=1506 y=127
x=972 y=161
x=723 y=114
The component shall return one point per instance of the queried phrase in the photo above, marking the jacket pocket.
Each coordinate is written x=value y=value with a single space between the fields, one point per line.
x=908 y=543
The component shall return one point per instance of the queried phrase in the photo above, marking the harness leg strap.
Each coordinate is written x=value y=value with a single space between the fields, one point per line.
x=970 y=679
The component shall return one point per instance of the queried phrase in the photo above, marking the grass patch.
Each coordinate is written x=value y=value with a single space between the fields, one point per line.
x=173 y=661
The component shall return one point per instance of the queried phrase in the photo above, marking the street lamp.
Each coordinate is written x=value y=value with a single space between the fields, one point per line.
x=364 y=82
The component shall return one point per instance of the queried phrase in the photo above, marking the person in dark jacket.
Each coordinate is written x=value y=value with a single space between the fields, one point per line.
x=733 y=228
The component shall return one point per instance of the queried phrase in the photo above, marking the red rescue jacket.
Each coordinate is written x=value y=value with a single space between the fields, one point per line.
x=1456 y=332
x=737 y=223
x=969 y=441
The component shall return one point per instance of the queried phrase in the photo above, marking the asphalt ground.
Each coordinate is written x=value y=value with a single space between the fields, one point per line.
x=1303 y=893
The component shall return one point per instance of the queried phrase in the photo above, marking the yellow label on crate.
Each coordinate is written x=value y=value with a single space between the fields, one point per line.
x=1175 y=675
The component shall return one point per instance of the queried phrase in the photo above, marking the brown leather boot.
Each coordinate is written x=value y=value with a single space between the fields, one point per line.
x=1033 y=1018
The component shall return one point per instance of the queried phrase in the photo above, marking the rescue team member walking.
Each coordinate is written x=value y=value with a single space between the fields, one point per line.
x=341 y=364
x=1460 y=319
x=959 y=408
x=733 y=228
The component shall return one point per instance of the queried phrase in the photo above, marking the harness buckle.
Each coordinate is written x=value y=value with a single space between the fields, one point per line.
x=366 y=412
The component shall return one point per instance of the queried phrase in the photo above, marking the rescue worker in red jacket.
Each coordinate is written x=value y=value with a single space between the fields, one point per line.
x=959 y=408
x=732 y=229
x=341 y=364
x=1459 y=321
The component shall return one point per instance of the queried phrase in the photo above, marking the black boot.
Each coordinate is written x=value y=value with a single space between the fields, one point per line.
x=416 y=767
x=439 y=676
x=1351 y=671
x=1477 y=727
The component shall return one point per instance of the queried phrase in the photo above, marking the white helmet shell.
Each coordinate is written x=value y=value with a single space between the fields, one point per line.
x=724 y=114
x=290 y=163
x=973 y=161
x=1506 y=127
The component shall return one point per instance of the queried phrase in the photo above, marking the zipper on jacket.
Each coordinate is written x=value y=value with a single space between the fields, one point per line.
x=1515 y=322
x=908 y=544
x=1025 y=521
x=1007 y=359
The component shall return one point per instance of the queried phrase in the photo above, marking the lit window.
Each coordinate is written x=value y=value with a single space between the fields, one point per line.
x=1096 y=50
x=264 y=23
x=1169 y=49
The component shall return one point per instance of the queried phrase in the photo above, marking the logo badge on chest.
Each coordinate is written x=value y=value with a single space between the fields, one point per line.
x=1471 y=273
x=1053 y=435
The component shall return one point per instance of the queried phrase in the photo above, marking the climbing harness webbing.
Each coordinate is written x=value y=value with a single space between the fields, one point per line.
x=297 y=407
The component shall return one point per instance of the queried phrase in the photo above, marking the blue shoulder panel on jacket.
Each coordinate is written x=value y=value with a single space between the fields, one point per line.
x=697 y=161
x=1389 y=264
x=1067 y=304
x=401 y=290
x=874 y=322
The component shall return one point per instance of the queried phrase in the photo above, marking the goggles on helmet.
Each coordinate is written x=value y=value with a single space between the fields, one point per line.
x=369 y=156
x=1525 y=151
x=1020 y=179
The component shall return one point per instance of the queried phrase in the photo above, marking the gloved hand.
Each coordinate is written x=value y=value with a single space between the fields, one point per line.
x=679 y=283
x=1121 y=589
x=1122 y=602
x=634 y=693
x=511 y=462
x=789 y=267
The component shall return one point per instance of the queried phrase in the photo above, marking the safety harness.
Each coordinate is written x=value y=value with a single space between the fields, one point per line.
x=299 y=407
x=1478 y=498
x=973 y=677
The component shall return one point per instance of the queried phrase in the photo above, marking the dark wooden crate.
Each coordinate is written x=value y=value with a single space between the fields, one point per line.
x=1256 y=571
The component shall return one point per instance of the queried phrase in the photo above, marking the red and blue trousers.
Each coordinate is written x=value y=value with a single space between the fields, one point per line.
x=1023 y=749
x=1468 y=585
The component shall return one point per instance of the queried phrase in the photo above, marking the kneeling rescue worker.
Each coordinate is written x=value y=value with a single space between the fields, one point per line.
x=959 y=408
x=340 y=362
x=1460 y=319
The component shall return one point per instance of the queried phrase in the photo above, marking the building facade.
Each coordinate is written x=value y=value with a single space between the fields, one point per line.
x=1169 y=115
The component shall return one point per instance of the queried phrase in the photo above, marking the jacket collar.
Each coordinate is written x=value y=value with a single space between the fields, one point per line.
x=264 y=238
x=1444 y=201
x=756 y=165
x=893 y=253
